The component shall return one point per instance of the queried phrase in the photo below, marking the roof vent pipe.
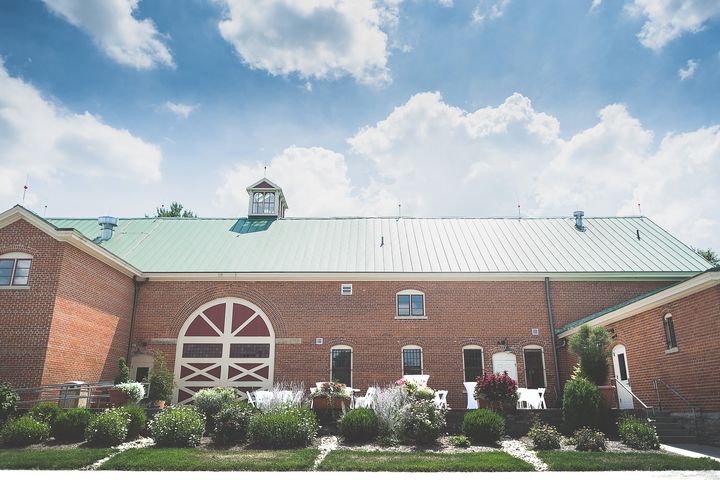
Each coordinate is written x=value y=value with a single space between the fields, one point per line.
x=106 y=227
x=579 y=220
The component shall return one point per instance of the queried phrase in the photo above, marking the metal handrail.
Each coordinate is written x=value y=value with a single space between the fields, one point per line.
x=619 y=382
x=693 y=409
x=85 y=393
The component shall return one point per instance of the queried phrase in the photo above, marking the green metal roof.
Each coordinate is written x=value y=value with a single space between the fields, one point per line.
x=401 y=245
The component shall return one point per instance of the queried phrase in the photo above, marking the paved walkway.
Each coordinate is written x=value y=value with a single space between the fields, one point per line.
x=693 y=450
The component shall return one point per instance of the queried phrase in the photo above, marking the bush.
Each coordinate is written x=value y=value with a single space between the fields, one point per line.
x=389 y=401
x=498 y=389
x=161 y=379
x=107 y=428
x=638 y=434
x=421 y=422
x=231 y=423
x=70 y=425
x=46 y=412
x=459 y=441
x=589 y=440
x=582 y=404
x=424 y=393
x=8 y=401
x=283 y=428
x=134 y=390
x=359 y=425
x=24 y=431
x=544 y=436
x=209 y=401
x=123 y=375
x=483 y=426
x=591 y=345
x=181 y=426
x=136 y=419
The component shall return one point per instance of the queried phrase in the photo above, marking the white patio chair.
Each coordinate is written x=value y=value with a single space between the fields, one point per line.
x=524 y=400
x=421 y=380
x=470 y=389
x=366 y=401
x=319 y=384
x=250 y=399
x=263 y=399
x=298 y=398
x=441 y=399
x=541 y=395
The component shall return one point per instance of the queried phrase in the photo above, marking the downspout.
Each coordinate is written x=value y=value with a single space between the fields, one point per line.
x=551 y=319
x=136 y=288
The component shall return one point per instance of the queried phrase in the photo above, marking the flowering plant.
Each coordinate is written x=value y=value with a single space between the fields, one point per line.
x=134 y=390
x=332 y=390
x=421 y=422
x=415 y=389
x=499 y=389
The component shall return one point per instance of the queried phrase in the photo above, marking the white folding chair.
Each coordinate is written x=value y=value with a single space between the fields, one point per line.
x=524 y=399
x=367 y=400
x=250 y=399
x=541 y=394
x=263 y=399
x=441 y=399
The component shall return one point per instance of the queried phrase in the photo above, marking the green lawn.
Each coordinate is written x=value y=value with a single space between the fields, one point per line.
x=212 y=460
x=606 y=461
x=50 y=458
x=354 y=460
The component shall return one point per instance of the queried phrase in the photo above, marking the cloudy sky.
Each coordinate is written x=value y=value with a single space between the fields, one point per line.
x=450 y=107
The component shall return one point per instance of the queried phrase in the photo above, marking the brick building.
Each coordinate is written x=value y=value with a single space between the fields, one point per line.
x=248 y=301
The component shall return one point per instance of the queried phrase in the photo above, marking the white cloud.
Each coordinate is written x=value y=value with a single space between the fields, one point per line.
x=669 y=19
x=180 y=109
x=595 y=5
x=689 y=70
x=113 y=27
x=489 y=10
x=321 y=39
x=41 y=139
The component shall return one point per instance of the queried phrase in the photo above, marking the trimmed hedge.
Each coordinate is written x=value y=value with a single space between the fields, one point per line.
x=638 y=434
x=137 y=419
x=46 y=412
x=231 y=423
x=589 y=440
x=70 y=425
x=24 y=431
x=209 y=401
x=582 y=404
x=107 y=428
x=359 y=425
x=181 y=426
x=283 y=428
x=483 y=426
x=544 y=436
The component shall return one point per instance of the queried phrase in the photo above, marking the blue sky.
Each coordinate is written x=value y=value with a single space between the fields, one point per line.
x=451 y=108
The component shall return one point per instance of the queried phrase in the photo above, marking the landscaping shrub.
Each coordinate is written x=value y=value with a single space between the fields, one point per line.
x=161 y=379
x=424 y=393
x=589 y=440
x=181 y=426
x=544 y=436
x=123 y=375
x=283 y=428
x=24 y=431
x=8 y=401
x=483 y=426
x=134 y=390
x=582 y=403
x=46 y=412
x=591 y=345
x=70 y=425
x=389 y=401
x=137 y=419
x=498 y=389
x=359 y=425
x=421 y=422
x=209 y=401
x=639 y=434
x=231 y=423
x=107 y=428
x=459 y=441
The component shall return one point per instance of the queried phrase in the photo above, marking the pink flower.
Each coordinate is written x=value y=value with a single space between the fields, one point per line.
x=400 y=381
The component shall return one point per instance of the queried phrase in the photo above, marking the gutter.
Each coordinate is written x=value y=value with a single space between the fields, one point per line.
x=136 y=287
x=553 y=342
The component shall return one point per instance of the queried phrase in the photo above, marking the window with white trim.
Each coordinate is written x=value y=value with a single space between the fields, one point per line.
x=473 y=363
x=341 y=364
x=410 y=304
x=263 y=203
x=15 y=269
x=670 y=339
x=534 y=358
x=412 y=361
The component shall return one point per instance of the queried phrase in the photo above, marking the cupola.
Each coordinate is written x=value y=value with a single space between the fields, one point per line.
x=266 y=200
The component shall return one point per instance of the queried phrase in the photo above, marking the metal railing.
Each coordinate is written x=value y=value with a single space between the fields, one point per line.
x=693 y=409
x=619 y=382
x=70 y=394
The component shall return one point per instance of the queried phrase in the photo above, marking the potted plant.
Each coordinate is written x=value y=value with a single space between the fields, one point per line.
x=331 y=396
x=118 y=397
x=498 y=390
x=162 y=382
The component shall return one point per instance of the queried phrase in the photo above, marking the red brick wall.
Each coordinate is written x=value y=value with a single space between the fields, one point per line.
x=25 y=314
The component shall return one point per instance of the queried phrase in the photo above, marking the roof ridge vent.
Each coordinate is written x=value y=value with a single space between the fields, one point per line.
x=578 y=214
x=107 y=224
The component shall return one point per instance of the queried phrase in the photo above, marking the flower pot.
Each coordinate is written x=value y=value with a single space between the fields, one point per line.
x=324 y=403
x=609 y=393
x=118 y=398
x=158 y=404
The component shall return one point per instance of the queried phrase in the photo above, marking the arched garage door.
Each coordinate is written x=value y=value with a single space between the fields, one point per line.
x=227 y=342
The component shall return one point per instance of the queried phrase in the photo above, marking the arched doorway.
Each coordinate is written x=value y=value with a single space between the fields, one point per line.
x=228 y=342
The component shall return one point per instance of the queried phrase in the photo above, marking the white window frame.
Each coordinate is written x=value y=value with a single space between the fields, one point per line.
x=482 y=357
x=411 y=316
x=16 y=256
x=352 y=361
x=343 y=286
x=668 y=348
x=402 y=359
x=141 y=360
x=542 y=355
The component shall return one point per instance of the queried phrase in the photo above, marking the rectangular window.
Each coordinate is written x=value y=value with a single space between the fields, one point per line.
x=403 y=305
x=418 y=309
x=622 y=367
x=411 y=305
x=249 y=350
x=202 y=350
x=473 y=361
x=6 y=270
x=14 y=271
x=670 y=332
x=341 y=366
x=142 y=373
x=534 y=370
x=412 y=361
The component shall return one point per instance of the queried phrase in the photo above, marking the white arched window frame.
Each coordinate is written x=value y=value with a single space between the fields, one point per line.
x=15 y=269
x=412 y=360
x=542 y=356
x=472 y=349
x=336 y=364
x=670 y=338
x=410 y=304
x=263 y=203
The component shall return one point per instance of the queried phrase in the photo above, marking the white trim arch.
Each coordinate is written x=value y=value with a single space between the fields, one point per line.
x=227 y=342
x=482 y=357
x=352 y=361
x=402 y=359
x=542 y=356
x=410 y=314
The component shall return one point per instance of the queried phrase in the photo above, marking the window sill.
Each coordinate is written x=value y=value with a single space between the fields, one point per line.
x=408 y=317
x=671 y=350
x=14 y=287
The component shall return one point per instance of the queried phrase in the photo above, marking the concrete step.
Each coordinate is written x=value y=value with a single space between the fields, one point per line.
x=677 y=438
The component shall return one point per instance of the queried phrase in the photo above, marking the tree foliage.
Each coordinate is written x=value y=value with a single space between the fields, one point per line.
x=709 y=255
x=176 y=210
x=591 y=345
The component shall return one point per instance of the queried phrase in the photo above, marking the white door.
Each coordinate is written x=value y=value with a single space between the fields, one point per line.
x=505 y=362
x=625 y=399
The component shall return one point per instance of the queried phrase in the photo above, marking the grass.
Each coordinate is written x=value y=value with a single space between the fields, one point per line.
x=212 y=460
x=608 y=461
x=353 y=460
x=50 y=458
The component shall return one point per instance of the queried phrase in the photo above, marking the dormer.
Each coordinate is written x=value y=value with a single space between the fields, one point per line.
x=266 y=200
